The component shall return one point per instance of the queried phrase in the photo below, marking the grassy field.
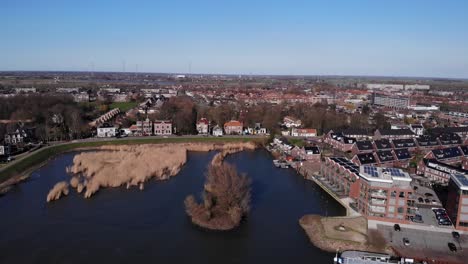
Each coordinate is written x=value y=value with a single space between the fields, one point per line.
x=123 y=106
x=42 y=155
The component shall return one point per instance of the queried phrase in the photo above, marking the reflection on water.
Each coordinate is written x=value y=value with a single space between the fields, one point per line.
x=132 y=226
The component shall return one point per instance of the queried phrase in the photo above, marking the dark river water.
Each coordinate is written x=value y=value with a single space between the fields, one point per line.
x=132 y=226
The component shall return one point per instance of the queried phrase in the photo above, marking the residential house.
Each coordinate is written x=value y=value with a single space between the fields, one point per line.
x=145 y=128
x=450 y=155
x=203 y=126
x=385 y=157
x=339 y=141
x=4 y=150
x=382 y=144
x=106 y=130
x=233 y=127
x=303 y=132
x=162 y=127
x=310 y=153
x=364 y=146
x=417 y=129
x=427 y=142
x=403 y=157
x=217 y=131
x=290 y=121
x=407 y=143
x=437 y=171
x=256 y=130
x=461 y=131
x=358 y=134
x=449 y=139
x=364 y=159
x=393 y=134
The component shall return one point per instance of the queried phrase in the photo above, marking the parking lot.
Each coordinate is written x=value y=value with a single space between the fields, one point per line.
x=426 y=243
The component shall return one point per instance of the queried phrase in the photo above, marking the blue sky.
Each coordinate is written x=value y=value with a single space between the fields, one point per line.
x=424 y=38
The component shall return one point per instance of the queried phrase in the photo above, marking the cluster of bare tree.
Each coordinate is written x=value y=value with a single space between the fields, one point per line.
x=183 y=113
x=53 y=117
x=226 y=199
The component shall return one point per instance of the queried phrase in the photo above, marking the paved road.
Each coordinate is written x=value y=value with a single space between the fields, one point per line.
x=426 y=243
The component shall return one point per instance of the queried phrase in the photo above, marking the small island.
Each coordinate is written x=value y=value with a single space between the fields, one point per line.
x=226 y=199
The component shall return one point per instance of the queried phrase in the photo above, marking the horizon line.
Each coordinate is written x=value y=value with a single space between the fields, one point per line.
x=242 y=74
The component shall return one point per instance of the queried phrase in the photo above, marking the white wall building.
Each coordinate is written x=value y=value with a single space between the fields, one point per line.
x=106 y=131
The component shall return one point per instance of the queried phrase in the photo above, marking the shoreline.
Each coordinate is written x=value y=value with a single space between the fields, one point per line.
x=20 y=170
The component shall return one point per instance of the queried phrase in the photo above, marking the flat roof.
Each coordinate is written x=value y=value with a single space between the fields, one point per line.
x=461 y=180
x=381 y=174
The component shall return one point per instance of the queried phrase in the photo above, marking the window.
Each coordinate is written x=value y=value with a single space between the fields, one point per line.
x=400 y=210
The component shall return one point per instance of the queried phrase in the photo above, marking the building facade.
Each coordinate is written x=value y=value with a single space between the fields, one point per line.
x=203 y=126
x=390 y=101
x=457 y=201
x=162 y=127
x=233 y=127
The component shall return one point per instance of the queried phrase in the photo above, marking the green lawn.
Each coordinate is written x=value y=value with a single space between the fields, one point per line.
x=123 y=106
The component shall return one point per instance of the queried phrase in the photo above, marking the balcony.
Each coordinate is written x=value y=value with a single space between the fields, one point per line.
x=378 y=194
x=377 y=209
x=378 y=202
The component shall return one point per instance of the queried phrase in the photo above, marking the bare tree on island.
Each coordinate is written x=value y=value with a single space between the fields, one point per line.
x=226 y=199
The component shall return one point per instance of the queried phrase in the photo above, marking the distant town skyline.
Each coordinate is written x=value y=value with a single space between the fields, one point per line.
x=359 y=38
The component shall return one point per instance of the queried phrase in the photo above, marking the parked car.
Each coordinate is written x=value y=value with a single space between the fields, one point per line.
x=416 y=219
x=406 y=241
x=396 y=227
x=6 y=158
x=452 y=247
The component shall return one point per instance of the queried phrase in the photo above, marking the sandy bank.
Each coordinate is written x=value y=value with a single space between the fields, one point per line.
x=132 y=165
x=342 y=233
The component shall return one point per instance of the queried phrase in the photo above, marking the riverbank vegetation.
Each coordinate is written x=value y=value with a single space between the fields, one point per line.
x=15 y=171
x=133 y=165
x=226 y=199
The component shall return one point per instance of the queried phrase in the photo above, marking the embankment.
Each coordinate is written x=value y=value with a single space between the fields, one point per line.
x=343 y=233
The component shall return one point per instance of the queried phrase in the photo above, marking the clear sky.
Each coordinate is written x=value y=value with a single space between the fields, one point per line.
x=426 y=38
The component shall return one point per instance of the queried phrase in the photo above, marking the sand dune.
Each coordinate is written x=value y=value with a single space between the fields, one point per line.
x=132 y=165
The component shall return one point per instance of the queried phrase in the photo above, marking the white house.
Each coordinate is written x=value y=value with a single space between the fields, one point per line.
x=217 y=131
x=106 y=130
x=162 y=127
x=2 y=150
x=203 y=126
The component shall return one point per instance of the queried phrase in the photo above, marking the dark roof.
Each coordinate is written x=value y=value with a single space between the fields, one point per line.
x=366 y=158
x=464 y=150
x=395 y=132
x=314 y=150
x=354 y=131
x=404 y=143
x=440 y=130
x=402 y=154
x=426 y=140
x=416 y=126
x=383 y=144
x=450 y=139
x=447 y=153
x=349 y=140
x=364 y=145
x=347 y=164
x=385 y=155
